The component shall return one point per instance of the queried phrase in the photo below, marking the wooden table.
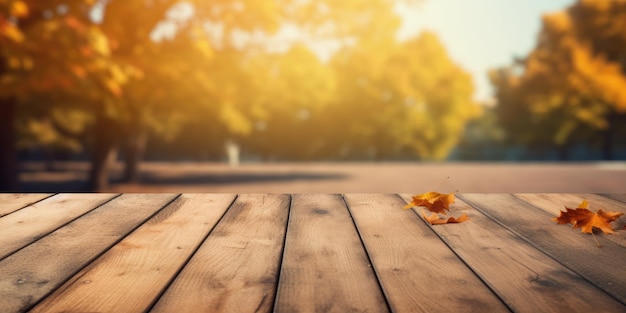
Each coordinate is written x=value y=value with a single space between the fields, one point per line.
x=304 y=253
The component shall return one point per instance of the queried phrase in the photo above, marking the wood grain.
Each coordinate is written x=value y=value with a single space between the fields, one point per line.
x=37 y=220
x=235 y=269
x=577 y=251
x=31 y=273
x=134 y=272
x=305 y=253
x=325 y=267
x=525 y=278
x=10 y=202
x=616 y=196
x=418 y=272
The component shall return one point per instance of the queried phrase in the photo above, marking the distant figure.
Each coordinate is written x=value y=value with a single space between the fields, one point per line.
x=232 y=150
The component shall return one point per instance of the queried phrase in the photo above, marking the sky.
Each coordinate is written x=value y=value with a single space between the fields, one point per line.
x=480 y=34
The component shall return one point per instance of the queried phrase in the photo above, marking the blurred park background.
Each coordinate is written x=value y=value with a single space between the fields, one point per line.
x=313 y=95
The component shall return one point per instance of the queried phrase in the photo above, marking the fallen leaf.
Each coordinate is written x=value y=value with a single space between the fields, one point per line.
x=571 y=216
x=586 y=220
x=434 y=219
x=433 y=201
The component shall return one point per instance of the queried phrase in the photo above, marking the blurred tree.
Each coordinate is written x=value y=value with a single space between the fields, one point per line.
x=570 y=88
x=290 y=91
x=284 y=93
x=128 y=68
x=46 y=50
x=400 y=99
x=483 y=138
x=220 y=86
x=164 y=77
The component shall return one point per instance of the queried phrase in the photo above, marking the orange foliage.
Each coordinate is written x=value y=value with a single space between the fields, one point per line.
x=582 y=218
x=433 y=201
x=434 y=219
x=438 y=203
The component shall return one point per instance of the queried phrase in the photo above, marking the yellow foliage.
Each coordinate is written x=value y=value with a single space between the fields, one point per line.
x=19 y=9
x=205 y=48
x=10 y=31
x=572 y=83
x=234 y=120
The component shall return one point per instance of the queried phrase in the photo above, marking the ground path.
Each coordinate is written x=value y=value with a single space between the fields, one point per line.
x=337 y=177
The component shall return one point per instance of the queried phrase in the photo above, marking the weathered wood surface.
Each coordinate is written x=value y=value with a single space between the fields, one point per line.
x=603 y=267
x=37 y=220
x=417 y=270
x=325 y=268
x=10 y=203
x=143 y=262
x=236 y=268
x=34 y=271
x=304 y=253
x=526 y=279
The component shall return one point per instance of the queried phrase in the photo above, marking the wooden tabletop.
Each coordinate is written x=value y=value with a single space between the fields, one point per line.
x=304 y=253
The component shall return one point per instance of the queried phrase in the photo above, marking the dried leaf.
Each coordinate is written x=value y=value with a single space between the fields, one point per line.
x=586 y=220
x=433 y=201
x=434 y=219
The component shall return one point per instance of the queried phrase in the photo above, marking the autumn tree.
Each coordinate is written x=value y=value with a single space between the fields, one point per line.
x=376 y=97
x=166 y=84
x=570 y=88
x=121 y=75
x=403 y=100
x=222 y=92
x=126 y=82
x=291 y=92
x=47 y=49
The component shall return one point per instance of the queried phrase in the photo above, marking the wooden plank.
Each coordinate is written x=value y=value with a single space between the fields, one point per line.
x=577 y=251
x=129 y=276
x=417 y=271
x=235 y=269
x=555 y=203
x=11 y=202
x=325 y=267
x=524 y=277
x=33 y=272
x=35 y=221
x=617 y=196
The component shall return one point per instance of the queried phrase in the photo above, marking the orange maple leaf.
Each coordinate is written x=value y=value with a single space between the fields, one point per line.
x=434 y=219
x=586 y=220
x=433 y=201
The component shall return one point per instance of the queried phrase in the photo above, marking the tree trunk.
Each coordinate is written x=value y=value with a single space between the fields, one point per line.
x=607 y=146
x=103 y=152
x=562 y=151
x=8 y=146
x=607 y=137
x=134 y=149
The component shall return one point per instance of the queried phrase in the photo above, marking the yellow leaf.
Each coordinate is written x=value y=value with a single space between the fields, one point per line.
x=204 y=48
x=99 y=42
x=433 y=201
x=586 y=220
x=19 y=9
